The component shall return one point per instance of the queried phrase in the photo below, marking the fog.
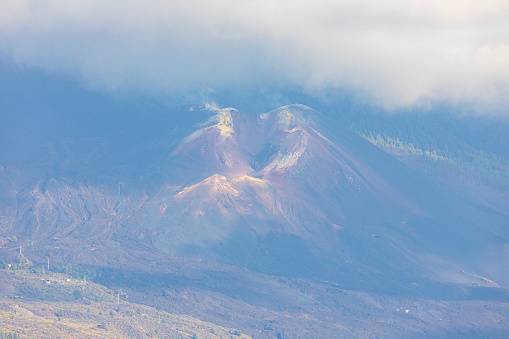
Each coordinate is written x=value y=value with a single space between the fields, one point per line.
x=395 y=54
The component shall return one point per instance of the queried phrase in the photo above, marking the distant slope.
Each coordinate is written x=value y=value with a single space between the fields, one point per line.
x=468 y=152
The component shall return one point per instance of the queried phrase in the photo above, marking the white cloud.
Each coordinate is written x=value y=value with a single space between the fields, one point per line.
x=398 y=53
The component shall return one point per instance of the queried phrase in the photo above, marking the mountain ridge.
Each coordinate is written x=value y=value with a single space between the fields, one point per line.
x=290 y=171
x=289 y=194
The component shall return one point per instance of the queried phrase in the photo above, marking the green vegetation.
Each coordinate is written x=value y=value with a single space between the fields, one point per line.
x=77 y=294
x=236 y=332
x=469 y=151
x=487 y=168
x=77 y=272
x=60 y=306
x=402 y=148
x=16 y=263
x=9 y=335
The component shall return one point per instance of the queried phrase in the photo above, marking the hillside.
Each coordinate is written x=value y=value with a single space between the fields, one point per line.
x=56 y=305
x=469 y=153
x=285 y=224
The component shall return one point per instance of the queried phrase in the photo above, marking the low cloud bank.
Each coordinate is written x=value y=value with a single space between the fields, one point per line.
x=396 y=54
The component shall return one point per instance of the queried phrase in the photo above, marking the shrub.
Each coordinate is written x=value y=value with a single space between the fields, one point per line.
x=9 y=335
x=236 y=332
x=77 y=294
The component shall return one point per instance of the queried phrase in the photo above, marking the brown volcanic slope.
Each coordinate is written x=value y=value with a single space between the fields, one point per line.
x=289 y=193
x=284 y=192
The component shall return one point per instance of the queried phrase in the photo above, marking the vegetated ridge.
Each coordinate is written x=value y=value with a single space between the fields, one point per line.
x=36 y=303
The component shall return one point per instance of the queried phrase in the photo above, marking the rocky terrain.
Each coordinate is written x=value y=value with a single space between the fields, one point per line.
x=284 y=224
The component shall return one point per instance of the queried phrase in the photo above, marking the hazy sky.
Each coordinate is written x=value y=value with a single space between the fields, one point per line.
x=396 y=54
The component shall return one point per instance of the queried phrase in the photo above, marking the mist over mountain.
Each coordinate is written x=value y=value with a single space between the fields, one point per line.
x=279 y=215
x=265 y=169
x=395 y=54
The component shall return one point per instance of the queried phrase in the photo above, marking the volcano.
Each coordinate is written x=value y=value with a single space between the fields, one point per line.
x=289 y=193
x=292 y=192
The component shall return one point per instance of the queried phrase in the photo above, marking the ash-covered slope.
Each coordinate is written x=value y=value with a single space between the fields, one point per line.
x=289 y=192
